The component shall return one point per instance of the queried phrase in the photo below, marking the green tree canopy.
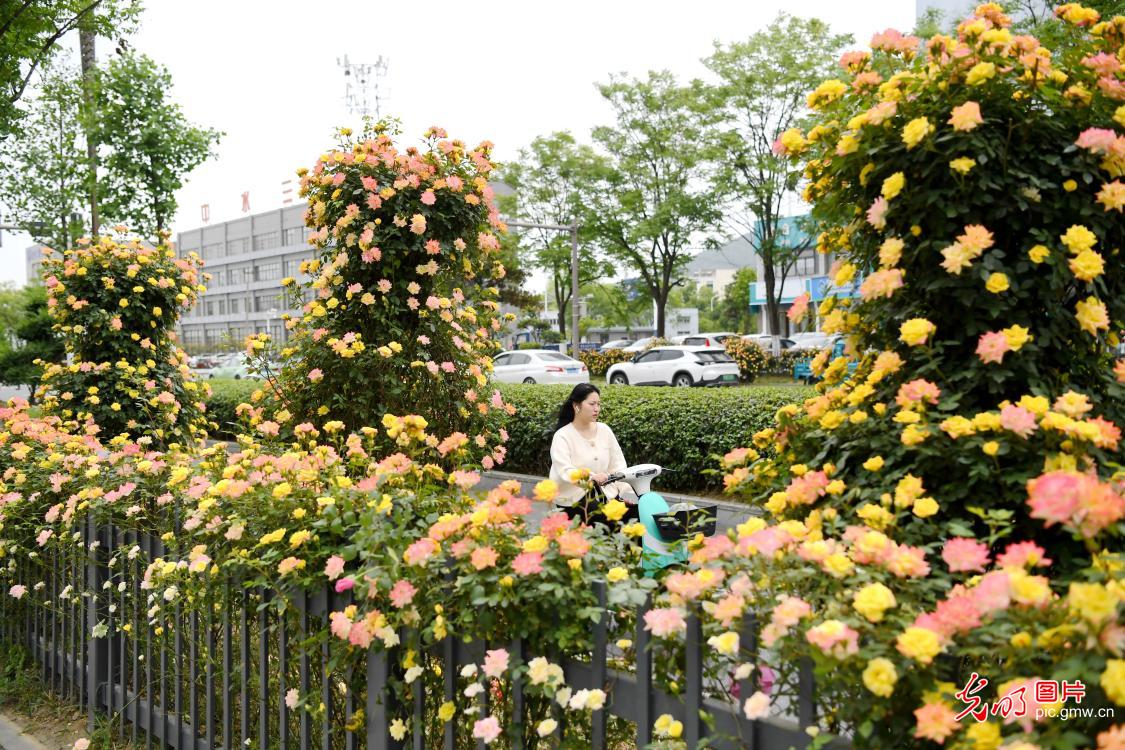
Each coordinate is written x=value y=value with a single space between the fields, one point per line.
x=35 y=337
x=30 y=32
x=147 y=145
x=43 y=170
x=763 y=83
x=647 y=200
x=549 y=179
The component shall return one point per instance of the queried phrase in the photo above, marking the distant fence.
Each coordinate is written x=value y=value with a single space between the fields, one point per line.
x=220 y=679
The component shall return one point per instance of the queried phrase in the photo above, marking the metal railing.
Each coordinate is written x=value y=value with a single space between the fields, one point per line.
x=220 y=678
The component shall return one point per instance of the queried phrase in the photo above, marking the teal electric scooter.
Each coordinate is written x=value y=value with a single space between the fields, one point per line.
x=667 y=529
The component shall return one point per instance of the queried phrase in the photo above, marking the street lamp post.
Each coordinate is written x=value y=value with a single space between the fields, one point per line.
x=572 y=228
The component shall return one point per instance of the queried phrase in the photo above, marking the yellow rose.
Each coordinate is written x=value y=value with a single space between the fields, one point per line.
x=893 y=185
x=1038 y=254
x=875 y=463
x=997 y=282
x=980 y=73
x=962 y=165
x=991 y=448
x=614 y=509
x=1092 y=315
x=880 y=677
x=1070 y=186
x=916 y=130
x=873 y=600
x=1087 y=265
x=920 y=644
x=924 y=507
x=915 y=331
x=1094 y=602
x=1113 y=681
x=1078 y=238
x=1016 y=336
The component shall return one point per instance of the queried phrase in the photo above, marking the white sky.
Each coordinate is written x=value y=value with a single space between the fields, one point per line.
x=266 y=73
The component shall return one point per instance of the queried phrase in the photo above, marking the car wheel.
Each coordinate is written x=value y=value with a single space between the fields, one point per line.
x=619 y=379
x=529 y=381
x=682 y=380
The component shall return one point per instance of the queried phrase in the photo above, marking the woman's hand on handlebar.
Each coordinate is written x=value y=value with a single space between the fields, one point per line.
x=599 y=479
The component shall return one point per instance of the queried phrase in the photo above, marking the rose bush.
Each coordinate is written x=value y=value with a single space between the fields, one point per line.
x=598 y=362
x=751 y=358
x=403 y=303
x=116 y=302
x=955 y=504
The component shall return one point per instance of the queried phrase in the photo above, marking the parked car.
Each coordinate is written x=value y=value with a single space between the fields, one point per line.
x=770 y=343
x=615 y=344
x=538 y=366
x=235 y=366
x=811 y=340
x=682 y=366
x=704 y=339
x=640 y=344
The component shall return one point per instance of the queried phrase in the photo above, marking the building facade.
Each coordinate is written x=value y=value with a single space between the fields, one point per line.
x=716 y=269
x=247 y=259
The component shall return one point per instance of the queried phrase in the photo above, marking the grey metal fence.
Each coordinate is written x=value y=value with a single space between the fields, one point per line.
x=220 y=679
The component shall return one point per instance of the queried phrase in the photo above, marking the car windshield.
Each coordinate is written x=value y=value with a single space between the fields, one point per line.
x=713 y=356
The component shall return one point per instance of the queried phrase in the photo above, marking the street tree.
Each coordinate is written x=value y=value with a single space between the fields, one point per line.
x=35 y=343
x=43 y=169
x=734 y=311
x=549 y=181
x=761 y=92
x=146 y=144
x=647 y=200
x=30 y=36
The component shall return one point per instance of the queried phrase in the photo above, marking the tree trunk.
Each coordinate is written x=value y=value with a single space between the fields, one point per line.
x=772 y=304
x=661 y=304
x=86 y=39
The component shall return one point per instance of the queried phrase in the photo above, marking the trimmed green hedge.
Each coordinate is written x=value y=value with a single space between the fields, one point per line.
x=677 y=428
x=226 y=395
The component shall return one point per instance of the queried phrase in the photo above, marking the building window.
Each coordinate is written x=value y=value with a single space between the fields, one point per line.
x=209 y=308
x=212 y=251
x=805 y=265
x=293 y=236
x=238 y=246
x=222 y=307
x=267 y=272
x=267 y=302
x=234 y=305
x=266 y=241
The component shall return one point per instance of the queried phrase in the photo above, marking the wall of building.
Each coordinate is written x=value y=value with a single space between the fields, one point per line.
x=247 y=259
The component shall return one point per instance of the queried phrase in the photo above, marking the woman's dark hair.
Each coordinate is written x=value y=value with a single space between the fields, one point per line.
x=577 y=396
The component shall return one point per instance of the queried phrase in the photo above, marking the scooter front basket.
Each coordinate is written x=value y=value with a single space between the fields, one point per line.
x=682 y=524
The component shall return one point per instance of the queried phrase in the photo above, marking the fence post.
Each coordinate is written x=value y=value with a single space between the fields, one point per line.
x=95 y=658
x=806 y=694
x=693 y=679
x=598 y=665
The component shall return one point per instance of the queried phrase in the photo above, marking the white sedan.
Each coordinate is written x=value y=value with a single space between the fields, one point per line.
x=538 y=366
x=682 y=366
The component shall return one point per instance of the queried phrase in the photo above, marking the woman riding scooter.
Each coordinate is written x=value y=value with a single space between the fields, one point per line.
x=581 y=442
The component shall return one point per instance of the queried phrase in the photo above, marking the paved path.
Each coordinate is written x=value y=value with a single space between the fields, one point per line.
x=12 y=737
x=729 y=514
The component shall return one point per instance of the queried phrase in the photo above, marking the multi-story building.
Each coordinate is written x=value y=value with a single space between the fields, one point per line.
x=33 y=258
x=716 y=269
x=247 y=259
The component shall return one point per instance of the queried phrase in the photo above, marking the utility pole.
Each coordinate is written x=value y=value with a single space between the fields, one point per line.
x=361 y=86
x=86 y=42
x=572 y=228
